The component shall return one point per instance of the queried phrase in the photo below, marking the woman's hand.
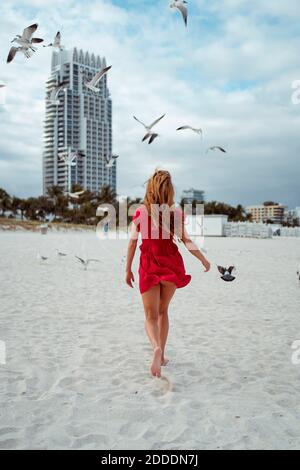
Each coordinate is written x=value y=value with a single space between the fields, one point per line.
x=206 y=265
x=129 y=278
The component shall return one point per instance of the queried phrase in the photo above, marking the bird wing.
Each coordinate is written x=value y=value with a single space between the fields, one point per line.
x=58 y=88
x=181 y=128
x=99 y=75
x=139 y=121
x=36 y=40
x=221 y=270
x=115 y=157
x=156 y=121
x=146 y=136
x=12 y=53
x=222 y=150
x=230 y=269
x=80 y=259
x=57 y=39
x=94 y=260
x=153 y=136
x=28 y=32
x=184 y=12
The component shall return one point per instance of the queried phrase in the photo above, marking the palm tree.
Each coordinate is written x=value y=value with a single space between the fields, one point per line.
x=5 y=201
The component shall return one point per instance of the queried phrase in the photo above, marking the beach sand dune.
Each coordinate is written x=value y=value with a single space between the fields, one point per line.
x=77 y=359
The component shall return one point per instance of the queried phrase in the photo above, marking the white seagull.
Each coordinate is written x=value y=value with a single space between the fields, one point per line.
x=149 y=135
x=56 y=43
x=111 y=160
x=53 y=96
x=86 y=262
x=194 y=129
x=216 y=147
x=180 y=5
x=26 y=40
x=91 y=85
x=76 y=195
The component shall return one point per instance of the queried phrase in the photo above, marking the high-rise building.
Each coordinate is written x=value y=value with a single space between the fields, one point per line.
x=191 y=195
x=81 y=121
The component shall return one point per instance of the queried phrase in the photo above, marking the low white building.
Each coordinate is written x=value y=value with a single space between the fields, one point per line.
x=207 y=225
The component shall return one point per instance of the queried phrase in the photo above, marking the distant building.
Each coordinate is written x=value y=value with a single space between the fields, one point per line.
x=81 y=120
x=292 y=216
x=261 y=213
x=190 y=195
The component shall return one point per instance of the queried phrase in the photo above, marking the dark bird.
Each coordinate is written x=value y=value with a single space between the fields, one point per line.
x=216 y=147
x=226 y=273
x=298 y=274
x=151 y=136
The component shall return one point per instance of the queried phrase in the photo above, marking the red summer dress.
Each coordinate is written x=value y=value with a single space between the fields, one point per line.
x=160 y=258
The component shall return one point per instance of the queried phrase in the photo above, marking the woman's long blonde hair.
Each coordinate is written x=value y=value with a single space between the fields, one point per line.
x=160 y=192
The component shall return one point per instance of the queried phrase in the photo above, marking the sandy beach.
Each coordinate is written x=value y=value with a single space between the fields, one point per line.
x=77 y=358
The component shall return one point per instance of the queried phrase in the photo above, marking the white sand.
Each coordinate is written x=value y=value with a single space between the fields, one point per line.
x=76 y=374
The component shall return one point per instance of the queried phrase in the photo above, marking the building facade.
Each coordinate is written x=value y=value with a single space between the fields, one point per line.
x=191 y=195
x=82 y=121
x=272 y=213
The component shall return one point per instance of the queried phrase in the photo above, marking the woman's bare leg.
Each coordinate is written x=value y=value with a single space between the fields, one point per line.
x=167 y=291
x=151 y=302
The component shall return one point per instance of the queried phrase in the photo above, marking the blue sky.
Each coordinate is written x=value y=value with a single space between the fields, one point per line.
x=230 y=72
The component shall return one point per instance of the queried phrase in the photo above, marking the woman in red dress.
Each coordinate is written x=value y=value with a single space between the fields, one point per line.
x=161 y=269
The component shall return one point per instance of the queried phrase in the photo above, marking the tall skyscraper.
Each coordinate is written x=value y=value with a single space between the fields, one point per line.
x=81 y=121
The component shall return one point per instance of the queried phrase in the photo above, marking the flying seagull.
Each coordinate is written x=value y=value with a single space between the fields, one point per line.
x=26 y=40
x=149 y=135
x=86 y=262
x=76 y=195
x=57 y=42
x=53 y=97
x=91 y=85
x=226 y=273
x=181 y=6
x=110 y=160
x=149 y=128
x=216 y=147
x=194 y=129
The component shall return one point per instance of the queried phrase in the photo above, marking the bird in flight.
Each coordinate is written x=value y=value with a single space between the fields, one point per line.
x=86 y=262
x=53 y=96
x=92 y=84
x=56 y=43
x=149 y=135
x=25 y=43
x=181 y=6
x=194 y=129
x=226 y=273
x=216 y=147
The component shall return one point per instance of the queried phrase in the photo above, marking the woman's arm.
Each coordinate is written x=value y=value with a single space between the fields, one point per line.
x=194 y=250
x=134 y=234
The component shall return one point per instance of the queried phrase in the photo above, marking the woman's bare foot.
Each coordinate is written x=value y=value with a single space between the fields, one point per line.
x=164 y=361
x=156 y=362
